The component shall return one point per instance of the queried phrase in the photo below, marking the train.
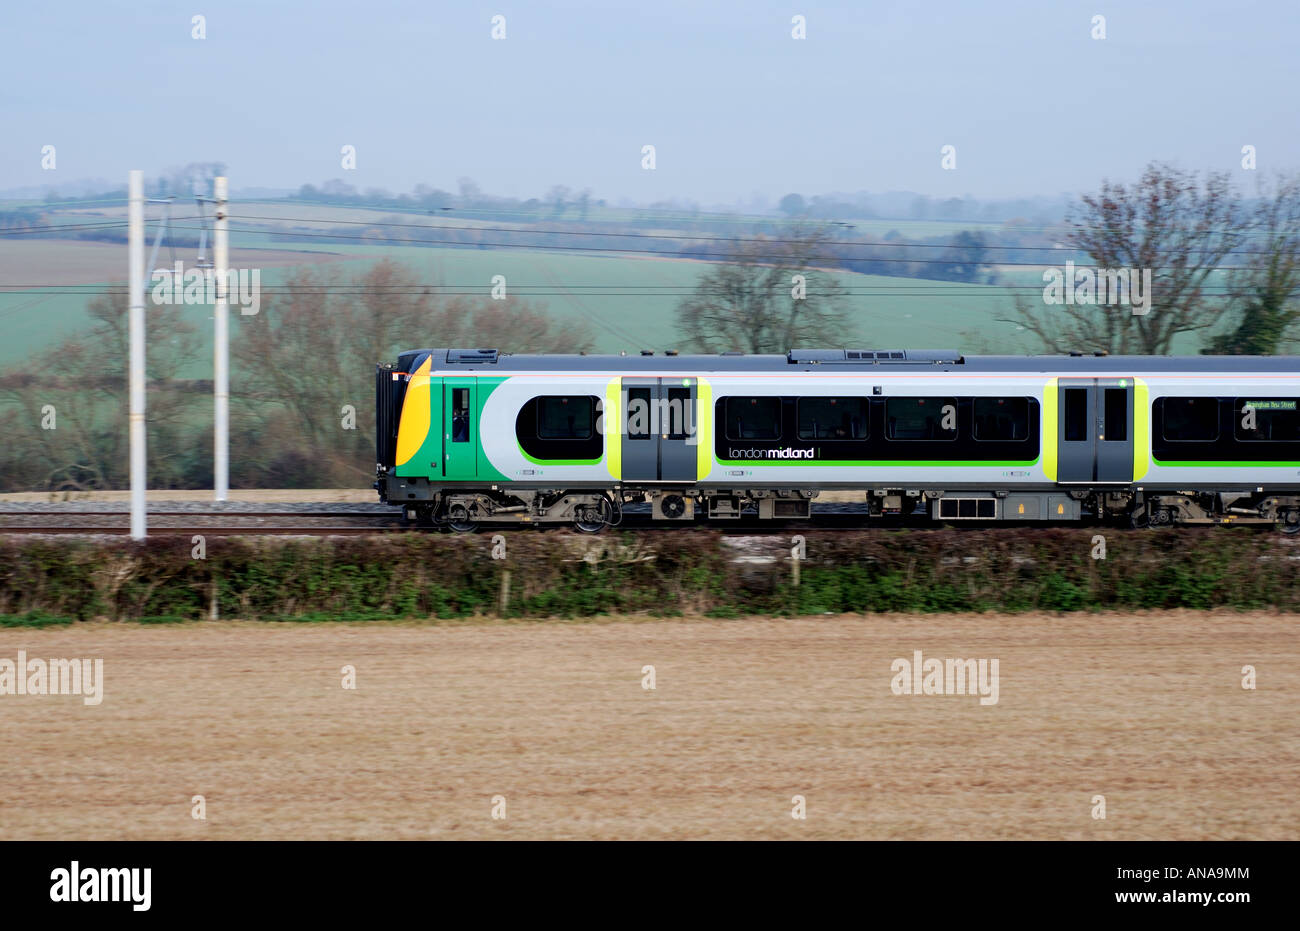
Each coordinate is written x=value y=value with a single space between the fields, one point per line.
x=470 y=437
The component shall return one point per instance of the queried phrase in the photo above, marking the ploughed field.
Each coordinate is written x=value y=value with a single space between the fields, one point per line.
x=1148 y=711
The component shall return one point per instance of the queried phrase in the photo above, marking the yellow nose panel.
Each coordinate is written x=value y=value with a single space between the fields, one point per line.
x=414 y=426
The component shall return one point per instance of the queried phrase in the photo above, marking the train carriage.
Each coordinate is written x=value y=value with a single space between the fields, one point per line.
x=470 y=436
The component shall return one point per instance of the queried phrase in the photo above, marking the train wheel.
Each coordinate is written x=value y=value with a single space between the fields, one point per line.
x=458 y=519
x=1161 y=518
x=1290 y=522
x=594 y=519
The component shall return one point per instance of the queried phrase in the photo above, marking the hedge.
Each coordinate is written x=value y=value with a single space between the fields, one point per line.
x=662 y=573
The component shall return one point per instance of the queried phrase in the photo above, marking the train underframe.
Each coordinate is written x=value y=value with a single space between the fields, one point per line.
x=592 y=508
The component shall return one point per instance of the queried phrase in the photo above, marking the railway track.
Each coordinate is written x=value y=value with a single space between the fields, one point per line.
x=74 y=530
x=227 y=521
x=331 y=520
x=191 y=513
x=325 y=523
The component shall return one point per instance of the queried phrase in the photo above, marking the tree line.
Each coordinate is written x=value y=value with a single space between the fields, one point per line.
x=302 y=374
x=1222 y=265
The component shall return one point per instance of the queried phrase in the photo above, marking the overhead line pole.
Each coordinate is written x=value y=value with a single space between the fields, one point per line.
x=162 y=231
x=221 y=347
x=135 y=315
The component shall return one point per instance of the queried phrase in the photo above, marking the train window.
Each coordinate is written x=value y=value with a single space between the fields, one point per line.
x=1076 y=415
x=1001 y=418
x=753 y=418
x=1274 y=420
x=832 y=418
x=460 y=415
x=1116 y=407
x=639 y=414
x=565 y=418
x=1191 y=419
x=921 y=418
x=679 y=414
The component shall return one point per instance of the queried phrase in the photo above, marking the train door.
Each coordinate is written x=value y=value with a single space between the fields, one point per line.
x=460 y=428
x=1115 y=436
x=1095 y=430
x=1077 y=440
x=659 y=418
x=640 y=420
x=677 y=430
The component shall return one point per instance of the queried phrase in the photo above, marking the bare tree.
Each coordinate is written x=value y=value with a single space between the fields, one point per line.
x=300 y=364
x=67 y=423
x=311 y=352
x=1170 y=223
x=309 y=357
x=1264 y=291
x=515 y=325
x=770 y=298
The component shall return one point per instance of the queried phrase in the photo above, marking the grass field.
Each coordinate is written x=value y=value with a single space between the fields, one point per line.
x=622 y=302
x=33 y=319
x=1146 y=710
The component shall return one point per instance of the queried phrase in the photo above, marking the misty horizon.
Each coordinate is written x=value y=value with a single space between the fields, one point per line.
x=738 y=110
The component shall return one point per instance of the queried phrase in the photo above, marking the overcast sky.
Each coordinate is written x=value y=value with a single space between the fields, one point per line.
x=732 y=103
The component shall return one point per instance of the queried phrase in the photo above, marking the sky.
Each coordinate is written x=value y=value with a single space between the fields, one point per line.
x=735 y=107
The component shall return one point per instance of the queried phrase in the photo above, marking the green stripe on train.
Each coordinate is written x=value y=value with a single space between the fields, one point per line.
x=558 y=462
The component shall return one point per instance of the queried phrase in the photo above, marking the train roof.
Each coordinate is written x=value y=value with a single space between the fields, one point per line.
x=850 y=360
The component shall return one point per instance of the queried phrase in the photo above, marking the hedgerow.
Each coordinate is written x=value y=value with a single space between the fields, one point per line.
x=683 y=572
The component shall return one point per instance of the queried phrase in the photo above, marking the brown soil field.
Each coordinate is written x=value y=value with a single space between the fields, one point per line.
x=1147 y=710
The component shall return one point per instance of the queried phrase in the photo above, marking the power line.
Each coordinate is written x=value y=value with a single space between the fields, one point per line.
x=109 y=224
x=617 y=250
x=675 y=236
x=636 y=213
x=100 y=224
x=97 y=224
x=662 y=236
x=648 y=214
x=993 y=291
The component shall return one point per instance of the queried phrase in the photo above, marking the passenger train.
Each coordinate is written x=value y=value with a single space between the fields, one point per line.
x=477 y=436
